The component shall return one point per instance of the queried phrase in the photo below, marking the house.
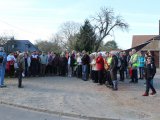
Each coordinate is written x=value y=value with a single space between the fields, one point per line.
x=146 y=43
x=20 y=45
x=150 y=42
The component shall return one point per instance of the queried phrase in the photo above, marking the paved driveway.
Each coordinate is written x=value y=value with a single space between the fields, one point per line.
x=73 y=97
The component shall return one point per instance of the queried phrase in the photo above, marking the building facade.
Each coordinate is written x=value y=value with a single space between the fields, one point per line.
x=19 y=45
x=152 y=43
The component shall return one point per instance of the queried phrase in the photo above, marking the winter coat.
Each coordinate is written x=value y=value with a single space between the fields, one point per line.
x=21 y=62
x=100 y=63
x=44 y=59
x=141 y=61
x=85 y=60
x=150 y=71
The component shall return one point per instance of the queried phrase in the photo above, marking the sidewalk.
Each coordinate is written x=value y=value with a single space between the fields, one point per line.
x=73 y=97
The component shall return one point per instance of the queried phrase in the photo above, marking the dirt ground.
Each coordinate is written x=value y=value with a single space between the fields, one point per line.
x=73 y=97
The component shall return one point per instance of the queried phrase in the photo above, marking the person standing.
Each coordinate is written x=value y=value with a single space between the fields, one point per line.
x=63 y=64
x=27 y=60
x=149 y=75
x=125 y=63
x=69 y=71
x=79 y=67
x=94 y=68
x=34 y=63
x=10 y=63
x=109 y=82
x=100 y=68
x=129 y=69
x=72 y=62
x=106 y=69
x=20 y=69
x=113 y=70
x=43 y=63
x=141 y=63
x=122 y=66
x=50 y=64
x=85 y=66
x=134 y=64
x=3 y=59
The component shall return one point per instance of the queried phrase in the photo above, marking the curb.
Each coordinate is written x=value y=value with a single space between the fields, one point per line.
x=55 y=112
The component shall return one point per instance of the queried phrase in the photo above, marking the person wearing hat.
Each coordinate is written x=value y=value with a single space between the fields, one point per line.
x=3 y=59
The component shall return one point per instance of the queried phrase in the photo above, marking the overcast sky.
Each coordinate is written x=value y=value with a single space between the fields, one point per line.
x=38 y=19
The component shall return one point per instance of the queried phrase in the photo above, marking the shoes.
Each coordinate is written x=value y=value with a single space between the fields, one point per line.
x=145 y=94
x=131 y=82
x=20 y=86
x=121 y=80
x=100 y=83
x=114 y=89
x=153 y=93
x=2 y=86
x=108 y=85
x=136 y=82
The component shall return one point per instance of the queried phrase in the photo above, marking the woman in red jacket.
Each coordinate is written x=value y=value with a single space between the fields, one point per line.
x=100 y=68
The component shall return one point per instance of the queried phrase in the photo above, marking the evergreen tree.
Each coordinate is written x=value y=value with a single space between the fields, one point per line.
x=86 y=38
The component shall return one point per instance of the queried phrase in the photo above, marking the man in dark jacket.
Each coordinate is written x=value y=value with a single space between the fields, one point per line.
x=149 y=74
x=113 y=70
x=85 y=66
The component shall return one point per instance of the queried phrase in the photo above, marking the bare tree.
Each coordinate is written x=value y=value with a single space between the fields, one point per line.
x=48 y=46
x=58 y=40
x=106 y=22
x=54 y=43
x=68 y=30
x=4 y=38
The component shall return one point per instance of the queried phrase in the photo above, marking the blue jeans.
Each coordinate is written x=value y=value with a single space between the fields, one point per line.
x=149 y=85
x=2 y=73
x=85 y=72
x=141 y=71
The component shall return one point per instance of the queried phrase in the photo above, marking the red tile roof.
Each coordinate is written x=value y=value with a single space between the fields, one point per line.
x=139 y=39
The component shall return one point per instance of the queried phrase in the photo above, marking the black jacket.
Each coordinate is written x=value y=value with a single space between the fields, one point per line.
x=85 y=59
x=150 y=71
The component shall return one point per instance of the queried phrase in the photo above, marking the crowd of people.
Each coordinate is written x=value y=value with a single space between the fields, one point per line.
x=102 y=68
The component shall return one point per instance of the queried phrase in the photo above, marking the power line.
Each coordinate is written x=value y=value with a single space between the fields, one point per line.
x=18 y=28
